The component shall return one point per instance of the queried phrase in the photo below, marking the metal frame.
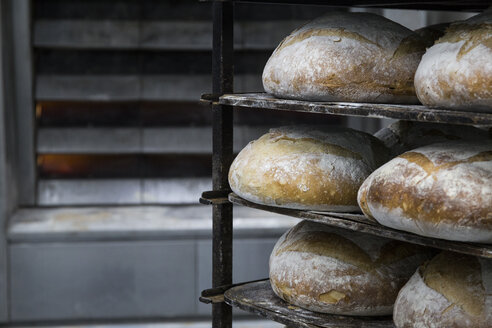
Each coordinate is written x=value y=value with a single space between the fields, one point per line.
x=24 y=100
x=4 y=165
x=223 y=74
x=458 y=5
x=8 y=149
x=17 y=155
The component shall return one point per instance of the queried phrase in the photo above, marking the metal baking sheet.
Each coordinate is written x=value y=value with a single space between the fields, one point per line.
x=458 y=5
x=358 y=222
x=394 y=111
x=258 y=298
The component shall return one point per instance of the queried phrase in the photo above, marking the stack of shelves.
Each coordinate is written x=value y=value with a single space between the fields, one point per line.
x=258 y=297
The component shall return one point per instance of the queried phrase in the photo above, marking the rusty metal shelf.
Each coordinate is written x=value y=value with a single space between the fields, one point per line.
x=402 y=112
x=259 y=298
x=358 y=222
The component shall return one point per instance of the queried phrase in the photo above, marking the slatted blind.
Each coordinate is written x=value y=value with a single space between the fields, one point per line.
x=117 y=84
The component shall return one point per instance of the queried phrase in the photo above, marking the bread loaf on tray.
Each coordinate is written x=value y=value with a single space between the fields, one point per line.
x=344 y=56
x=456 y=72
x=452 y=291
x=307 y=167
x=442 y=190
x=337 y=271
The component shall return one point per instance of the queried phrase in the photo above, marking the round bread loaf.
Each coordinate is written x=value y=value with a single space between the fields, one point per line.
x=457 y=71
x=331 y=270
x=452 y=291
x=442 y=190
x=306 y=167
x=402 y=136
x=345 y=56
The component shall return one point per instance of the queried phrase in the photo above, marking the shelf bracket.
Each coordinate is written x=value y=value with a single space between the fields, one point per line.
x=216 y=295
x=215 y=197
x=210 y=98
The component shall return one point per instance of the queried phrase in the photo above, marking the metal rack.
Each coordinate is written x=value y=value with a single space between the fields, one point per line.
x=257 y=297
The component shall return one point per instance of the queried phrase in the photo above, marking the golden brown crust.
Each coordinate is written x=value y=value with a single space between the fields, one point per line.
x=441 y=190
x=458 y=278
x=304 y=172
x=320 y=186
x=452 y=290
x=435 y=206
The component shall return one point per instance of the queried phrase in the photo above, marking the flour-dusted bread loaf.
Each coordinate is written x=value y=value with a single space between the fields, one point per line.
x=442 y=190
x=402 y=136
x=306 y=167
x=451 y=291
x=331 y=270
x=456 y=72
x=345 y=56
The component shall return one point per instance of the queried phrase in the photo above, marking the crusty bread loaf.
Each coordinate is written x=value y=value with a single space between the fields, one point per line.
x=345 y=56
x=451 y=291
x=306 y=167
x=432 y=33
x=457 y=71
x=331 y=270
x=402 y=136
x=442 y=190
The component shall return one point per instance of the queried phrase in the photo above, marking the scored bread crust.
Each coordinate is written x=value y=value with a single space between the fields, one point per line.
x=331 y=270
x=346 y=57
x=457 y=71
x=452 y=291
x=305 y=167
x=442 y=190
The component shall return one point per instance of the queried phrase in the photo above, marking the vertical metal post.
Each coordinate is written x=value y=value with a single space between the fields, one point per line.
x=24 y=99
x=8 y=149
x=222 y=70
